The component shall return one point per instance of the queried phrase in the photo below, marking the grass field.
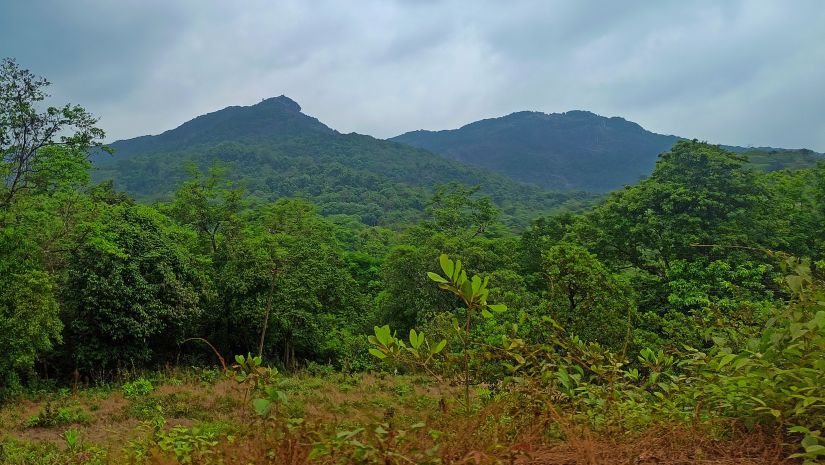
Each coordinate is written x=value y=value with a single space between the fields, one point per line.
x=200 y=417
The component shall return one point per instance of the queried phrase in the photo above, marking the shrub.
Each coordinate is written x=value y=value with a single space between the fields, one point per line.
x=137 y=388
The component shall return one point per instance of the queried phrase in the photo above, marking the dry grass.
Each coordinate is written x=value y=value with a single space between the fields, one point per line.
x=498 y=433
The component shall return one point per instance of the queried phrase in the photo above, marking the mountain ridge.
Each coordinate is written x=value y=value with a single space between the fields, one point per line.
x=274 y=150
x=572 y=150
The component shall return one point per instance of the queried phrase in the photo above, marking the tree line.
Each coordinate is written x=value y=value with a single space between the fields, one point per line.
x=94 y=282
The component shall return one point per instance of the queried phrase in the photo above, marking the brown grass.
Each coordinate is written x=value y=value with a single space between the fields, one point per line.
x=499 y=433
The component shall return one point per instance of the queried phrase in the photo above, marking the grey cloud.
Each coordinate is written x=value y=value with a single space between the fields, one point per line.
x=736 y=71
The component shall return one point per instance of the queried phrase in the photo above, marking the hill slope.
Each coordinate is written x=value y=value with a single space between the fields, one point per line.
x=274 y=150
x=575 y=150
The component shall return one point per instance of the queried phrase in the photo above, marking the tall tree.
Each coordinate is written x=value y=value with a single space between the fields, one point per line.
x=132 y=291
x=43 y=165
x=585 y=297
x=698 y=195
x=26 y=129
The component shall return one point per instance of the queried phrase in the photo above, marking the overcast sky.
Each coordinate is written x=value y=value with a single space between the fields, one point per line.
x=744 y=72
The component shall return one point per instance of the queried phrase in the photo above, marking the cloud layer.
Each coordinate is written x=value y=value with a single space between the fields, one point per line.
x=744 y=72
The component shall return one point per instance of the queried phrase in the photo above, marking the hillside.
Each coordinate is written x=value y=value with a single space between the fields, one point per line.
x=576 y=150
x=274 y=150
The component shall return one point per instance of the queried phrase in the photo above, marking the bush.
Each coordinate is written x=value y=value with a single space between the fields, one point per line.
x=137 y=388
x=51 y=416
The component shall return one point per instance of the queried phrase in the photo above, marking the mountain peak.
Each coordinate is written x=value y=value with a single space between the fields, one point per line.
x=281 y=102
x=271 y=117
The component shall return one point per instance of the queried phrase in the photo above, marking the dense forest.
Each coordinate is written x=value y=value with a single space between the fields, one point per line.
x=693 y=297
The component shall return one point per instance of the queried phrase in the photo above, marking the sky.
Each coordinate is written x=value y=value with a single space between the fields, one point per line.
x=738 y=72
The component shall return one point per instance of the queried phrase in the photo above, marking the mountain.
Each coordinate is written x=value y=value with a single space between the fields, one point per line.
x=274 y=150
x=576 y=150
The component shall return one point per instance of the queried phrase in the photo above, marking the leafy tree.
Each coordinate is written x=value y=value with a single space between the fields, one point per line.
x=43 y=164
x=698 y=194
x=542 y=234
x=132 y=291
x=406 y=294
x=585 y=297
x=25 y=130
x=288 y=262
x=208 y=204
x=454 y=210
x=314 y=293
x=29 y=312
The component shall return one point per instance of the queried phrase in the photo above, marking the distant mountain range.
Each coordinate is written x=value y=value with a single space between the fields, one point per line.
x=576 y=150
x=530 y=163
x=274 y=150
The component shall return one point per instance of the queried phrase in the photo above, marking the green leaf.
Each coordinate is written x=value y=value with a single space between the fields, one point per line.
x=261 y=406
x=446 y=265
x=726 y=359
x=416 y=339
x=436 y=277
x=383 y=334
x=476 y=284
x=440 y=346
x=815 y=450
x=378 y=353
x=498 y=308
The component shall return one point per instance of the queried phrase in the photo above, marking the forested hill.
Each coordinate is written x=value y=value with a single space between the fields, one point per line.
x=576 y=150
x=273 y=150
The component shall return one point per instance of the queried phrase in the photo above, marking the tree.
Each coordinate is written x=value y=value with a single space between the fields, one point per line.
x=25 y=130
x=132 y=291
x=542 y=234
x=453 y=210
x=285 y=260
x=207 y=204
x=698 y=194
x=585 y=297
x=313 y=291
x=44 y=165
x=29 y=312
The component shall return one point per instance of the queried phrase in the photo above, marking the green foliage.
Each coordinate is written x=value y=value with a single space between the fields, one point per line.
x=777 y=378
x=42 y=164
x=585 y=297
x=137 y=388
x=417 y=352
x=209 y=205
x=188 y=444
x=28 y=158
x=455 y=212
x=72 y=438
x=131 y=291
x=697 y=195
x=51 y=416
x=275 y=151
x=473 y=293
x=250 y=373
x=14 y=452
x=379 y=444
x=268 y=405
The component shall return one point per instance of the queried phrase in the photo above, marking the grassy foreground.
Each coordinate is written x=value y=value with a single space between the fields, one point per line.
x=200 y=417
